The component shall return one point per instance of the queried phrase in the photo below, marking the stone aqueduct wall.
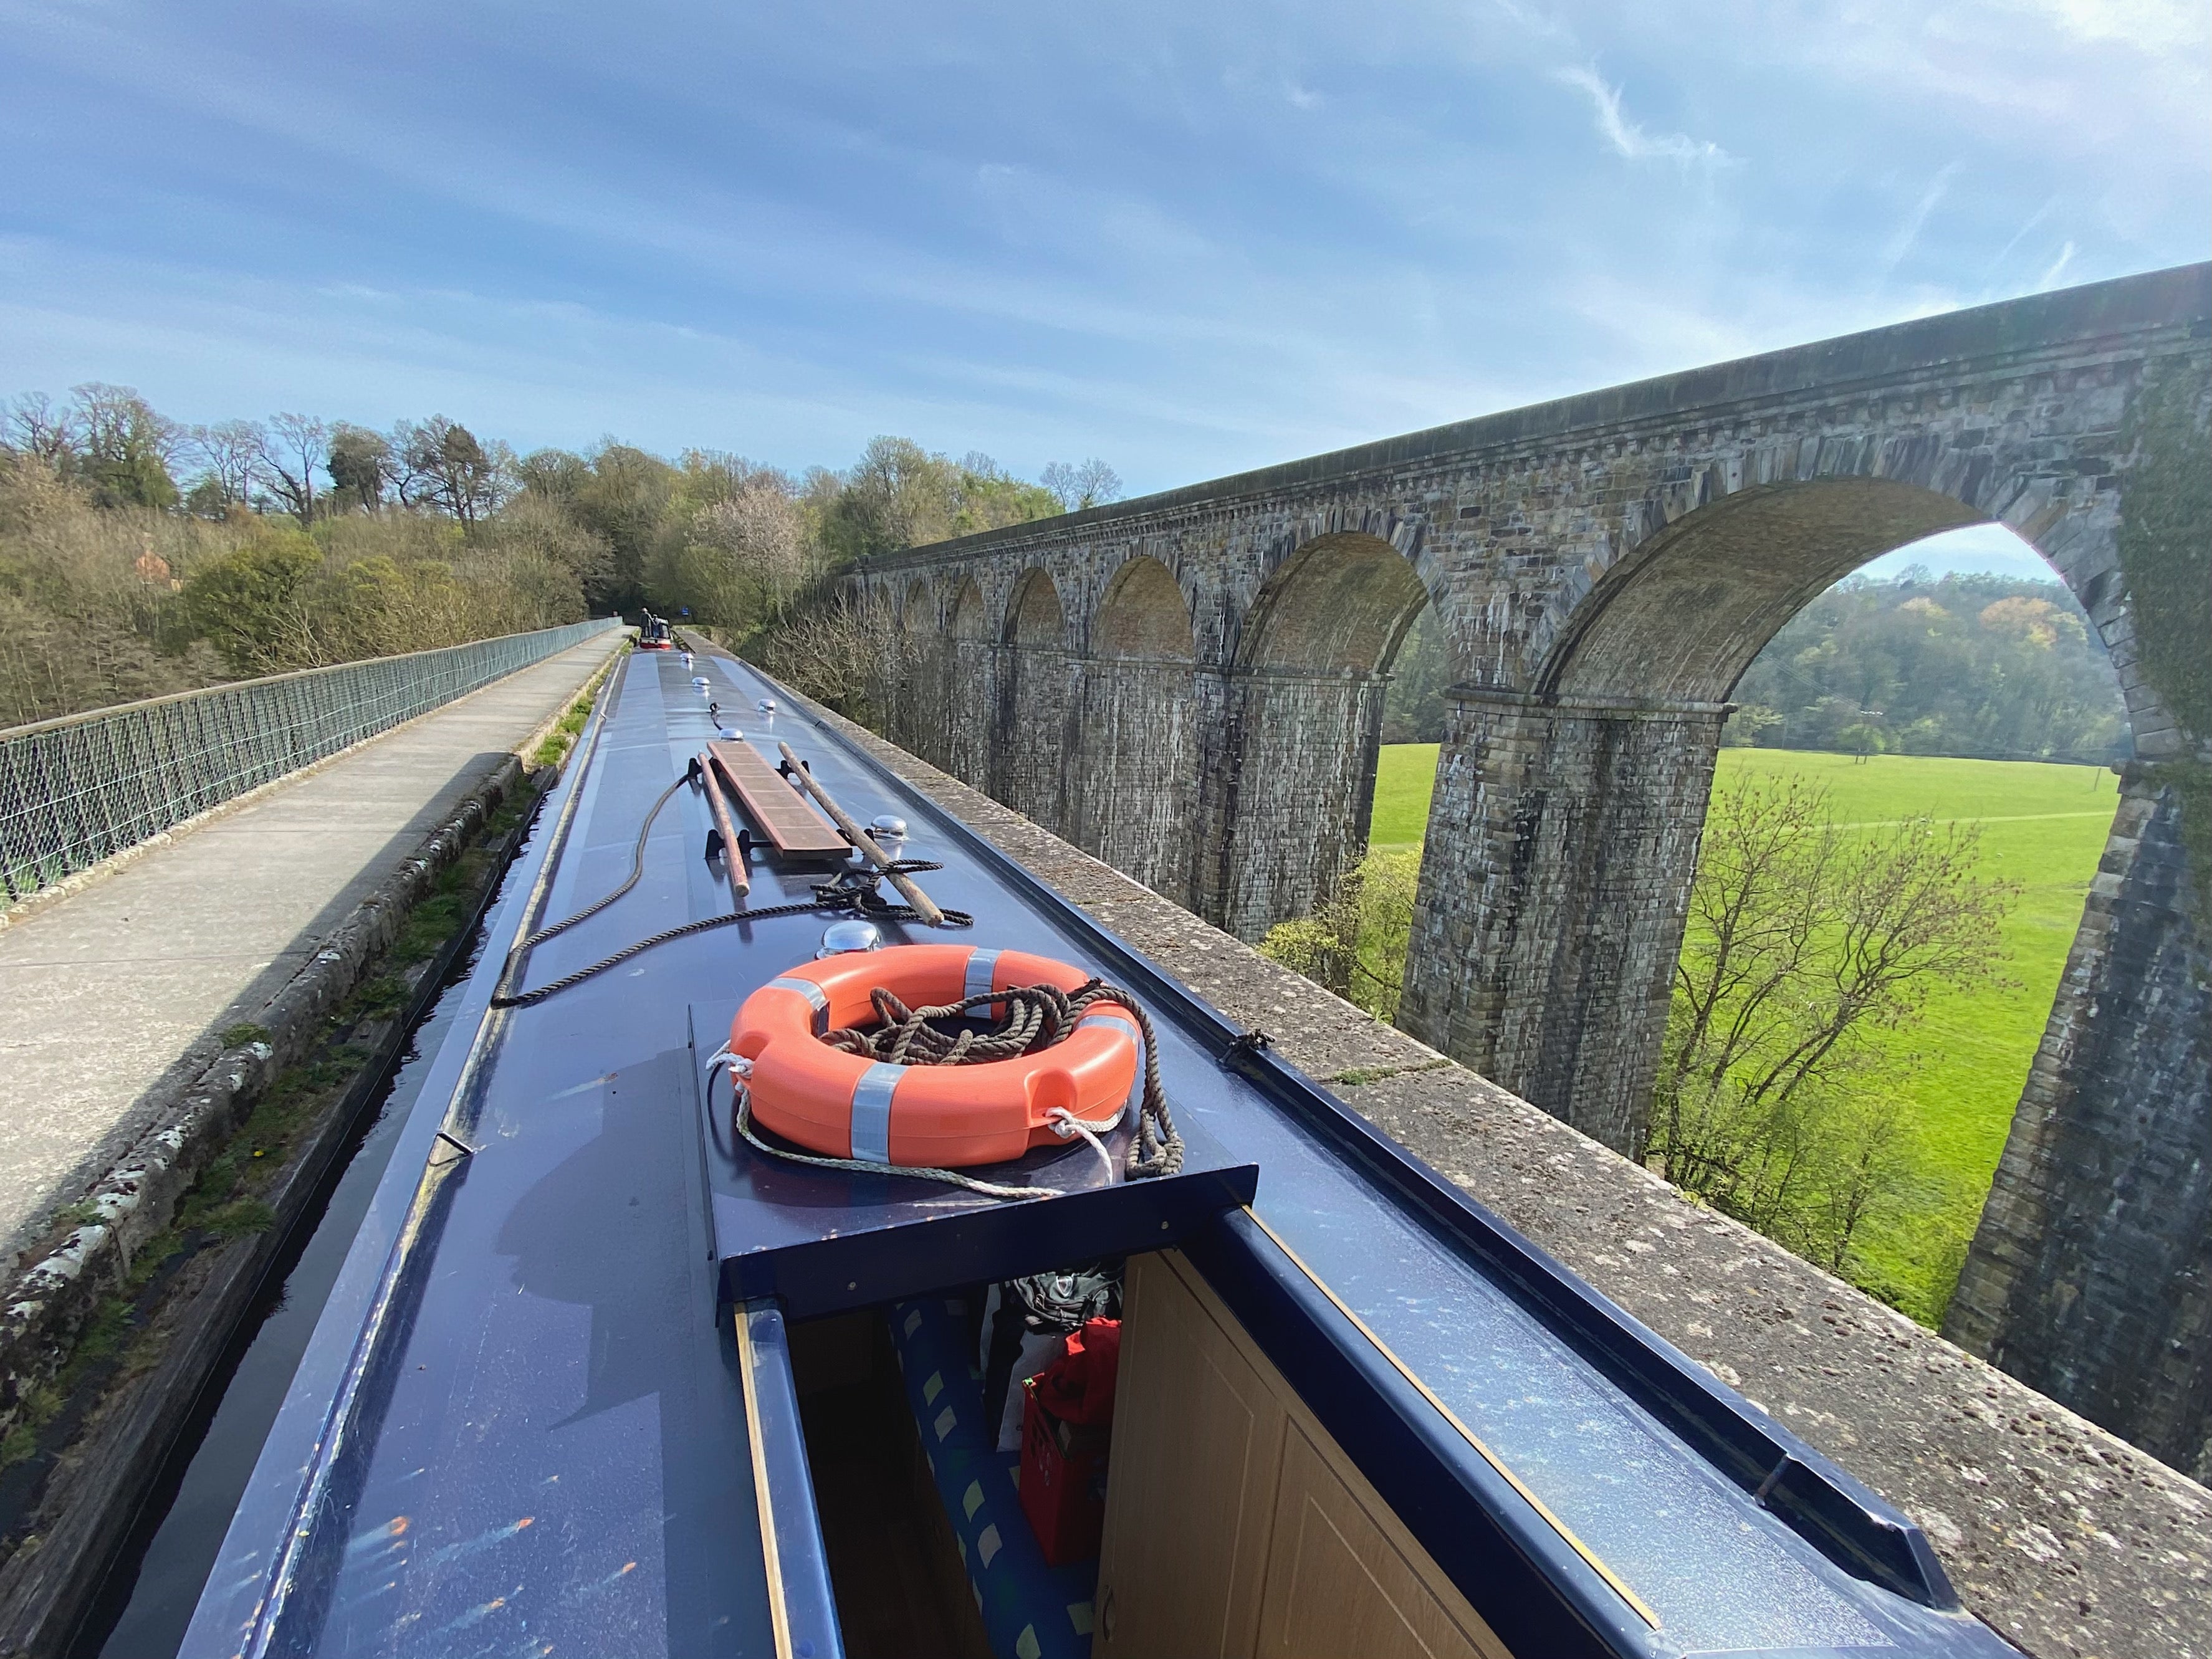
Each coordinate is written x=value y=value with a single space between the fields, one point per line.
x=1189 y=686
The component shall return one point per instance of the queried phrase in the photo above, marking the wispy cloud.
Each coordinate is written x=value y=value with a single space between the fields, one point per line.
x=2056 y=268
x=1165 y=237
x=1632 y=141
x=1902 y=239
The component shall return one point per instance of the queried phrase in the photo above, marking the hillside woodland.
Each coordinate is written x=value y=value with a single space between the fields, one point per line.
x=139 y=556
x=1985 y=667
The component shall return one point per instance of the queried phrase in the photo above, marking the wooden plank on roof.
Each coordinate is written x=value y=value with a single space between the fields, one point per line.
x=785 y=819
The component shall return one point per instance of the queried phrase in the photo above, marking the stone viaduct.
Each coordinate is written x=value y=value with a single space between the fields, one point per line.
x=1190 y=686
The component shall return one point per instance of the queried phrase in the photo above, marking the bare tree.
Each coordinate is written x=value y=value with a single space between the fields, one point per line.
x=230 y=457
x=849 y=653
x=36 y=427
x=1805 y=942
x=1090 y=484
x=292 y=453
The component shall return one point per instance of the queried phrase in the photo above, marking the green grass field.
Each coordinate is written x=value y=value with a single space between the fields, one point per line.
x=2042 y=825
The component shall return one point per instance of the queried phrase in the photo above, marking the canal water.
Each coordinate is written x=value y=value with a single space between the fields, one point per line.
x=147 y=1602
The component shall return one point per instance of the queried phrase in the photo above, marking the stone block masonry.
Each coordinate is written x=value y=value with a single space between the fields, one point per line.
x=1205 y=668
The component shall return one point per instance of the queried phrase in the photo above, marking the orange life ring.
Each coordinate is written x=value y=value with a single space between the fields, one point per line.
x=845 y=1105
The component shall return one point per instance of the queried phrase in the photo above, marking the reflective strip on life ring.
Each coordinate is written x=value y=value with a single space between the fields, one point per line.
x=849 y=1106
x=872 y=1111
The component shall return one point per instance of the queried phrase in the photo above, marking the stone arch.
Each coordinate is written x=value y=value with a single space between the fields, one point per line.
x=968 y=682
x=970 y=619
x=1683 y=612
x=1306 y=687
x=1132 y=790
x=1143 y=614
x=1030 y=748
x=1341 y=602
x=1035 y=620
x=1571 y=808
x=917 y=613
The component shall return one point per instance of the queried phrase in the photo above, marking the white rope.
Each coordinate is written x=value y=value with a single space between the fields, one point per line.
x=1066 y=1125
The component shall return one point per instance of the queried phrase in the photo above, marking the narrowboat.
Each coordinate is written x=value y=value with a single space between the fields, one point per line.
x=715 y=1304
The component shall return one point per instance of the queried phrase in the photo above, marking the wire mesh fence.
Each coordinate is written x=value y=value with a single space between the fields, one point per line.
x=77 y=790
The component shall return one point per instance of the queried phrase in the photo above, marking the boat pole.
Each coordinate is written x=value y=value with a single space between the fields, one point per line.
x=734 y=854
x=924 y=906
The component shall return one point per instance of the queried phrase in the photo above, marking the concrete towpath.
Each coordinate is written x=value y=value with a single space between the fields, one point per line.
x=113 y=993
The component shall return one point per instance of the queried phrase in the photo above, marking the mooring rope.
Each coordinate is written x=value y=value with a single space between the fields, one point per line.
x=1036 y=1017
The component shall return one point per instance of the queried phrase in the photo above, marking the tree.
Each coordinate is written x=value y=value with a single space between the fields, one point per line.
x=1354 y=941
x=900 y=495
x=896 y=496
x=451 y=470
x=533 y=525
x=230 y=457
x=847 y=652
x=1090 y=484
x=123 y=447
x=626 y=497
x=746 y=557
x=359 y=462
x=292 y=451
x=1971 y=664
x=1413 y=708
x=247 y=604
x=36 y=427
x=1804 y=942
x=1747 y=723
x=554 y=475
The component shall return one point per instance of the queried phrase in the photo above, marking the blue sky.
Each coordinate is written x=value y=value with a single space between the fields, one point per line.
x=1187 y=238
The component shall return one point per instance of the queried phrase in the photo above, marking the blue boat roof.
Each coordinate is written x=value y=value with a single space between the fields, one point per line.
x=526 y=1417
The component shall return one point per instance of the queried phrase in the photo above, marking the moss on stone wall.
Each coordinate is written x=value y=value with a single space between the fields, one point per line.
x=2165 y=551
x=2166 y=544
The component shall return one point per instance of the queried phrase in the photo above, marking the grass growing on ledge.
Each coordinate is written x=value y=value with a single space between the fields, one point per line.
x=563 y=737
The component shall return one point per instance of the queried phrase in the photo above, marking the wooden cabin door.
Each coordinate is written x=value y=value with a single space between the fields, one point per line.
x=1236 y=1529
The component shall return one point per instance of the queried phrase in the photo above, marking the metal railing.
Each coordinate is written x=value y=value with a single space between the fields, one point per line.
x=79 y=789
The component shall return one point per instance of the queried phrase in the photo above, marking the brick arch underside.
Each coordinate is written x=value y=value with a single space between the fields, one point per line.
x=1132 y=791
x=1306 y=698
x=1682 y=617
x=1028 y=745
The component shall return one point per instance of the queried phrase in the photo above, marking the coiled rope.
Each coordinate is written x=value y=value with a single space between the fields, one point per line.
x=1037 y=1017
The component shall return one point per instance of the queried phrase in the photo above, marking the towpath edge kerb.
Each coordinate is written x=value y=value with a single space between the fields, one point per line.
x=48 y=1301
x=2066 y=1539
